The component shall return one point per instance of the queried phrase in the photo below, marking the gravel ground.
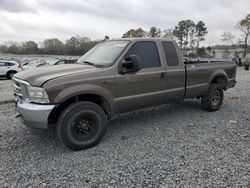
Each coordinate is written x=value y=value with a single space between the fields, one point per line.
x=6 y=91
x=175 y=145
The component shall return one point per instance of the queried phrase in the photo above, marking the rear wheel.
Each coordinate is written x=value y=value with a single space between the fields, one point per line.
x=81 y=125
x=213 y=99
x=10 y=74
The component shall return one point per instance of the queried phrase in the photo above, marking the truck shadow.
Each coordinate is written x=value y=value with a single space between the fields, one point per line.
x=174 y=110
x=122 y=126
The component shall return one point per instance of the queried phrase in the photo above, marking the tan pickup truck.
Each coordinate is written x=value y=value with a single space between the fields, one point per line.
x=114 y=77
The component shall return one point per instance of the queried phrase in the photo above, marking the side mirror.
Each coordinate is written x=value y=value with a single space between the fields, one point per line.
x=130 y=64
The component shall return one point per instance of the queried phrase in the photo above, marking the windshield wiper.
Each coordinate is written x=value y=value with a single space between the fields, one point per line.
x=88 y=63
x=93 y=64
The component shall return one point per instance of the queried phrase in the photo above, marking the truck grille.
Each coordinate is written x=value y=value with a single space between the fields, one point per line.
x=20 y=89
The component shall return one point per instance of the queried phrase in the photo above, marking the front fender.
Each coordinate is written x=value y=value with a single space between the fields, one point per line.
x=76 y=90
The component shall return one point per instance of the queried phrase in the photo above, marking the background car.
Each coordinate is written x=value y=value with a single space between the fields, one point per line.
x=48 y=62
x=9 y=68
x=61 y=61
x=34 y=64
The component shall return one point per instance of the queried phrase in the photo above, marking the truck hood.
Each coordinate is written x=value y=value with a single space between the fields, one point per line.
x=38 y=76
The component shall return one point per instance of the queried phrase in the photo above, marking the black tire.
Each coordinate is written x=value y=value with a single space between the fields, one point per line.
x=10 y=74
x=213 y=99
x=81 y=125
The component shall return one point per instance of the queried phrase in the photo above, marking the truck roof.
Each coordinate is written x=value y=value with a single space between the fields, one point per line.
x=141 y=39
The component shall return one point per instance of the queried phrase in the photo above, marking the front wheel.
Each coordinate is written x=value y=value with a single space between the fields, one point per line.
x=10 y=74
x=213 y=99
x=81 y=125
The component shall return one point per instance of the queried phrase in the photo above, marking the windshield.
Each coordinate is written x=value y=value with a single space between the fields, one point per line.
x=104 y=54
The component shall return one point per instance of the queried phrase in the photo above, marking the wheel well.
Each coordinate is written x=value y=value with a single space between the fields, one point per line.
x=84 y=97
x=10 y=71
x=221 y=81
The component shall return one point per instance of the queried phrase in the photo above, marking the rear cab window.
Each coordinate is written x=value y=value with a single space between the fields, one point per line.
x=147 y=52
x=170 y=53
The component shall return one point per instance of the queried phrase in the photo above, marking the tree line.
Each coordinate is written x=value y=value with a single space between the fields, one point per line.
x=187 y=33
x=73 y=46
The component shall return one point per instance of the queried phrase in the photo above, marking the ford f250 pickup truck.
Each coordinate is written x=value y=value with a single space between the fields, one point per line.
x=115 y=77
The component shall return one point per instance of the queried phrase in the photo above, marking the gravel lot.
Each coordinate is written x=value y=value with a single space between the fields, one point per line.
x=175 y=145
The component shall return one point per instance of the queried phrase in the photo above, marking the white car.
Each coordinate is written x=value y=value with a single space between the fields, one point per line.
x=9 y=68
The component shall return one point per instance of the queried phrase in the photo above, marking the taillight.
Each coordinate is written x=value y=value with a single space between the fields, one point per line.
x=20 y=66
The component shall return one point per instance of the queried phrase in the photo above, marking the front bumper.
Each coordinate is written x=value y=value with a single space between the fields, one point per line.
x=34 y=115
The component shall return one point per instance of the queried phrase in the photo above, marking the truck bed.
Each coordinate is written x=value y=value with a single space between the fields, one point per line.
x=199 y=75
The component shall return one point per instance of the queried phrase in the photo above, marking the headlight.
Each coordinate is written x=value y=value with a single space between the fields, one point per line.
x=37 y=95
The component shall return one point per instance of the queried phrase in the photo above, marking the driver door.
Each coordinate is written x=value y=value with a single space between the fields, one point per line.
x=144 y=88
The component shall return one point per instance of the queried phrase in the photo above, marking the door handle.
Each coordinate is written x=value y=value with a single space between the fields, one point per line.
x=162 y=75
x=108 y=81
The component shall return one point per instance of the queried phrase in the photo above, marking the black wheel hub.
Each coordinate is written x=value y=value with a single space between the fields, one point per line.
x=82 y=126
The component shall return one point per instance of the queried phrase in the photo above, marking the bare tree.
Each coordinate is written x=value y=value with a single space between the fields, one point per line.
x=244 y=27
x=168 y=34
x=228 y=38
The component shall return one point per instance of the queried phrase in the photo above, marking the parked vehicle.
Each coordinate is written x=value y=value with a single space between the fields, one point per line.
x=34 y=64
x=48 y=62
x=9 y=68
x=114 y=77
x=246 y=63
x=63 y=61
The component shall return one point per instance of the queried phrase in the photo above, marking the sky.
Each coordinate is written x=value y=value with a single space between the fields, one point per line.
x=22 y=20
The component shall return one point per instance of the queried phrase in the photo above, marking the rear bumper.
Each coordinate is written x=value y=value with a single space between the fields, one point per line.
x=231 y=83
x=34 y=115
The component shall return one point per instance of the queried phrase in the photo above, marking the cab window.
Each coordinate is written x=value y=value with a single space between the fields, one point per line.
x=147 y=52
x=170 y=53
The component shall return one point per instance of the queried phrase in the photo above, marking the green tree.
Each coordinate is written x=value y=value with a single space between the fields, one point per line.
x=184 y=32
x=200 y=32
x=244 y=26
x=179 y=33
x=3 y=48
x=72 y=46
x=154 y=32
x=53 y=46
x=85 y=44
x=13 y=47
x=29 y=47
x=134 y=33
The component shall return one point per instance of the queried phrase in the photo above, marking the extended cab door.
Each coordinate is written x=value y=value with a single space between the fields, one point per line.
x=143 y=88
x=175 y=71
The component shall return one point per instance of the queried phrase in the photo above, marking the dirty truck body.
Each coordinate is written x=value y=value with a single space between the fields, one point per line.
x=115 y=77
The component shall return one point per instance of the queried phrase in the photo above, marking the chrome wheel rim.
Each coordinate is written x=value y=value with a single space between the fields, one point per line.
x=11 y=75
x=216 y=98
